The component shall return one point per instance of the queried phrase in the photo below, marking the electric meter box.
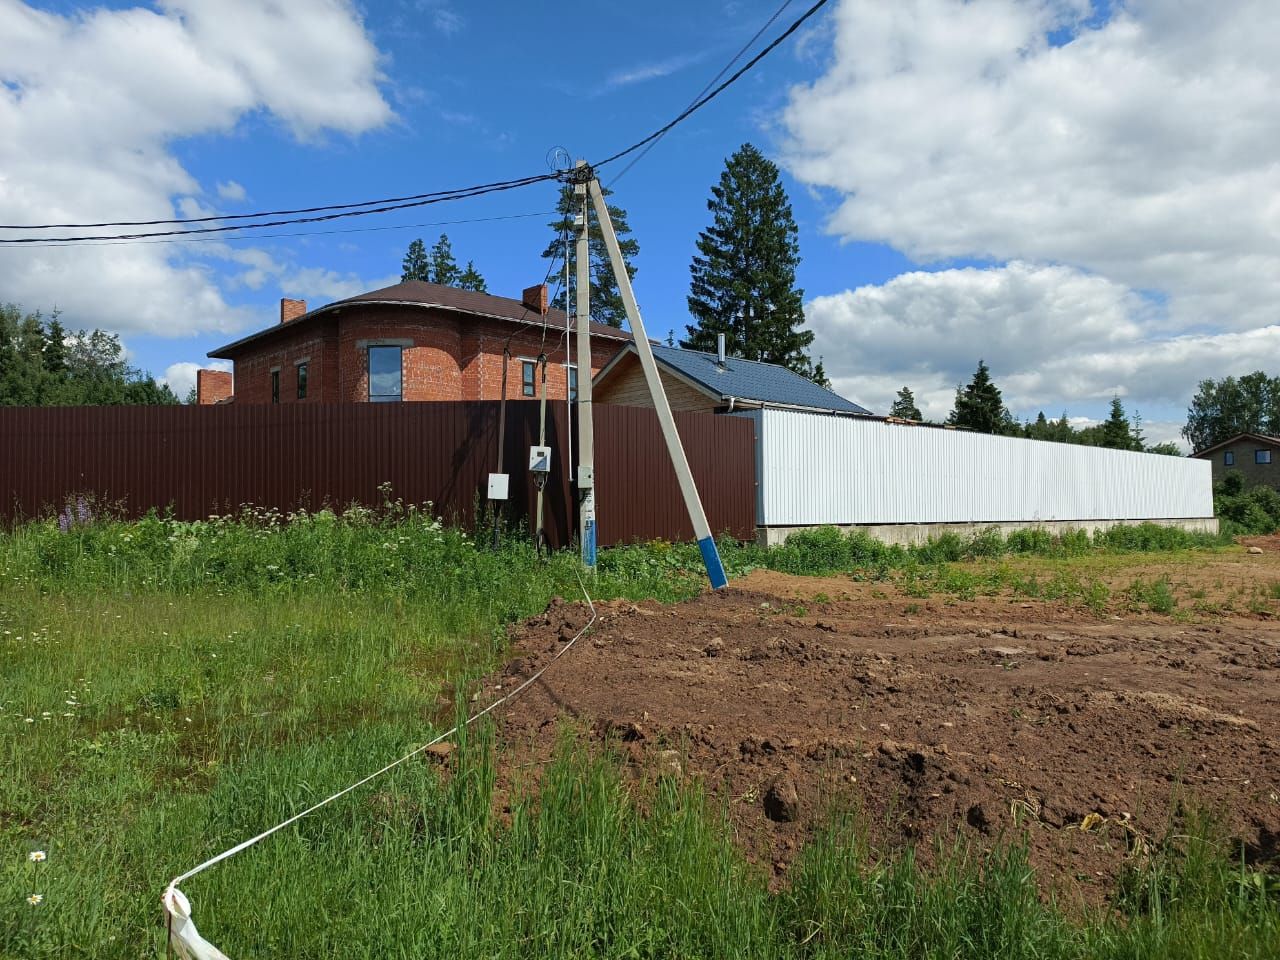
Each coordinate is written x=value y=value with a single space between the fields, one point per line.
x=498 y=486
x=539 y=459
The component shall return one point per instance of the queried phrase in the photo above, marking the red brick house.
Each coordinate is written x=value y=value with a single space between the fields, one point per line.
x=410 y=341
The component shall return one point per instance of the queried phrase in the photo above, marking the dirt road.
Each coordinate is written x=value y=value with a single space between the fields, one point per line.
x=1091 y=733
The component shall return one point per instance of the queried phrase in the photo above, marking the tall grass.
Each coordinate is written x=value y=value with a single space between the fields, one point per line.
x=170 y=689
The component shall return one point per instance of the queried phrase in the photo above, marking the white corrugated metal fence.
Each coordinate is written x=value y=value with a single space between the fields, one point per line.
x=817 y=469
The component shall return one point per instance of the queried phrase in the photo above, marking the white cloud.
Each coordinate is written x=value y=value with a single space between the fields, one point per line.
x=231 y=191
x=1143 y=149
x=444 y=17
x=181 y=377
x=448 y=21
x=1138 y=154
x=318 y=285
x=652 y=71
x=90 y=103
x=1056 y=339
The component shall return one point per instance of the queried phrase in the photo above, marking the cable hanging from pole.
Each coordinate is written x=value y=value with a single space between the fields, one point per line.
x=464 y=194
x=709 y=84
x=326 y=212
x=270 y=213
x=703 y=101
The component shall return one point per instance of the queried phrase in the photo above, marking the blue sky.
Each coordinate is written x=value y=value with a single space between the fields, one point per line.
x=474 y=105
x=1023 y=180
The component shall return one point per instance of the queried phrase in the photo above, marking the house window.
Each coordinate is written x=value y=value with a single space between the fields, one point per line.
x=275 y=386
x=385 y=374
x=1262 y=456
x=1229 y=458
x=573 y=383
x=527 y=370
x=302 y=381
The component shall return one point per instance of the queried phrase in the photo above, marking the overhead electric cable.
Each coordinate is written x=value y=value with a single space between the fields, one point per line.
x=703 y=101
x=270 y=213
x=463 y=194
x=368 y=207
x=710 y=83
x=107 y=242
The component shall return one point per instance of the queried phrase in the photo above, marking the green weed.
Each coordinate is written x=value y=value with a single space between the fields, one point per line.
x=1155 y=595
x=173 y=688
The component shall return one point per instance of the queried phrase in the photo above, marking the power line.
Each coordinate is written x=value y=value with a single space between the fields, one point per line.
x=703 y=101
x=108 y=242
x=463 y=194
x=370 y=207
x=710 y=83
x=270 y=213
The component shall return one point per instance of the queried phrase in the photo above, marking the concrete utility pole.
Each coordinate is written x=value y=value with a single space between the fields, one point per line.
x=692 y=502
x=586 y=444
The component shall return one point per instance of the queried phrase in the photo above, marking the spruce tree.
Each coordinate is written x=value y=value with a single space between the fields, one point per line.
x=55 y=347
x=1038 y=430
x=905 y=406
x=444 y=269
x=1117 y=433
x=415 y=265
x=819 y=375
x=744 y=274
x=470 y=279
x=979 y=406
x=606 y=298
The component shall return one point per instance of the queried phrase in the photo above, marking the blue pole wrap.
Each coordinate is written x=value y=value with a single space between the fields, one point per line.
x=711 y=560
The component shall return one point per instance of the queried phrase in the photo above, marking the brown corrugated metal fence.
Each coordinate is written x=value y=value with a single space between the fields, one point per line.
x=202 y=460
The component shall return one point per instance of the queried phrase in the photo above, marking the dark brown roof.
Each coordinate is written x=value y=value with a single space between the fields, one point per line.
x=1260 y=437
x=422 y=294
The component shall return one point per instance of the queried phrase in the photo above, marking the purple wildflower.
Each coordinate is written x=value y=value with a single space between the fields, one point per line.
x=64 y=521
x=82 y=510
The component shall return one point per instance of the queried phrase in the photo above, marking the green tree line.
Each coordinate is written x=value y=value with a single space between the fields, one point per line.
x=439 y=266
x=979 y=406
x=44 y=364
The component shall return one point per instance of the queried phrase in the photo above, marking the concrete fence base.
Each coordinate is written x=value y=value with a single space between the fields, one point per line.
x=915 y=534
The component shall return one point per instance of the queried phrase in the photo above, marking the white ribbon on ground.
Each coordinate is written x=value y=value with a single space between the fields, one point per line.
x=184 y=938
x=186 y=941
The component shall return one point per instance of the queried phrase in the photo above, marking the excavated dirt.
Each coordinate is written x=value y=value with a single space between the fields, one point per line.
x=994 y=718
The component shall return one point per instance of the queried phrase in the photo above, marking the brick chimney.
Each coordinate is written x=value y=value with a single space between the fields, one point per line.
x=213 y=386
x=291 y=309
x=535 y=298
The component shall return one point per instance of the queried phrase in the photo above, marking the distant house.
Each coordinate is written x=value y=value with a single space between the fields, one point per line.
x=409 y=341
x=704 y=381
x=1253 y=456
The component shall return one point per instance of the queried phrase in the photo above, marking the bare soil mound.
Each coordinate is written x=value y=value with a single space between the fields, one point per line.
x=989 y=718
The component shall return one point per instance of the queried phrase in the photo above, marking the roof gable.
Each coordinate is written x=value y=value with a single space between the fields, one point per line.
x=1255 y=437
x=753 y=380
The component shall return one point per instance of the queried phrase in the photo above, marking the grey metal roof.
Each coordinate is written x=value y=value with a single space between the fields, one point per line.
x=752 y=380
